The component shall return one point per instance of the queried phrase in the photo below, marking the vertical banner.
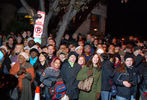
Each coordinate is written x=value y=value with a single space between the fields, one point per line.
x=38 y=27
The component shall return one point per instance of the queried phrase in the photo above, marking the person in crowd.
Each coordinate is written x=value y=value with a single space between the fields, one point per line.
x=51 y=42
x=105 y=48
x=117 y=62
x=143 y=84
x=111 y=49
x=117 y=49
x=72 y=47
x=127 y=80
x=74 y=39
x=87 y=52
x=81 y=42
x=1 y=40
x=82 y=61
x=18 y=48
x=93 y=68
x=138 y=56
x=114 y=41
x=19 y=40
x=5 y=63
x=51 y=53
x=29 y=34
x=62 y=55
x=31 y=42
x=25 y=43
x=24 y=35
x=10 y=43
x=95 y=43
x=25 y=73
x=39 y=68
x=88 y=38
x=63 y=48
x=50 y=76
x=69 y=71
x=79 y=50
x=107 y=75
x=128 y=50
x=44 y=49
x=33 y=56
x=66 y=40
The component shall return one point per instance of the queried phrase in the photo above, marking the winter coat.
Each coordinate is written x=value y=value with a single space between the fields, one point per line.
x=24 y=81
x=132 y=77
x=107 y=75
x=38 y=72
x=69 y=75
x=96 y=86
x=49 y=76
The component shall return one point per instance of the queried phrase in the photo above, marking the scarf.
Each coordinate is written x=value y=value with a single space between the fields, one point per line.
x=71 y=64
x=33 y=61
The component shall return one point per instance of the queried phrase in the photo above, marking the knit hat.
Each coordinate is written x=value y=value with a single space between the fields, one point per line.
x=29 y=39
x=34 y=50
x=73 y=53
x=25 y=55
x=100 y=51
x=77 y=47
x=137 y=48
x=128 y=56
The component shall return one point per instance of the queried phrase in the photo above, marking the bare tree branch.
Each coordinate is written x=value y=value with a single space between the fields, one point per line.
x=42 y=5
x=65 y=22
x=28 y=8
x=47 y=20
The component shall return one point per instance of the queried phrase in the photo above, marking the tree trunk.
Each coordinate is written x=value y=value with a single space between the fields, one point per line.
x=66 y=19
x=65 y=22
x=44 y=36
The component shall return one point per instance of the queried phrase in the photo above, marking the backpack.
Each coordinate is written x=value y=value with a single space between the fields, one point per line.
x=58 y=90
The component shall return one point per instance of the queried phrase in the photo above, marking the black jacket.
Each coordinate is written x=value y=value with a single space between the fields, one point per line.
x=69 y=75
x=38 y=72
x=132 y=77
x=107 y=75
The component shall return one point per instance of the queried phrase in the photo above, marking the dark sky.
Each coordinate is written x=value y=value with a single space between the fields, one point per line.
x=129 y=18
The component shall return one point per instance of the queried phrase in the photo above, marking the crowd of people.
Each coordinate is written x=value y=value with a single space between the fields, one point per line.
x=112 y=62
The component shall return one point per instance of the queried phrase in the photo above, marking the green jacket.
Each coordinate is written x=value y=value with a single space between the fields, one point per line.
x=96 y=87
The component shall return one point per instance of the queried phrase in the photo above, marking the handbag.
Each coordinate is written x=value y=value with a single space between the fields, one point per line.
x=14 y=93
x=58 y=90
x=86 y=84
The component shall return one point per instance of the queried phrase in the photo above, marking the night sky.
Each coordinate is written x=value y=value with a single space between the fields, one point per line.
x=122 y=19
x=129 y=18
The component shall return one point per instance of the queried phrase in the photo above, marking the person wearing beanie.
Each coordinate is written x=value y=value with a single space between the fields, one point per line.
x=79 y=50
x=127 y=79
x=69 y=71
x=73 y=53
x=128 y=56
x=24 y=71
x=33 y=56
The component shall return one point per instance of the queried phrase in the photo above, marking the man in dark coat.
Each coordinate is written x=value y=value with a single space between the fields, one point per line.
x=69 y=71
x=107 y=76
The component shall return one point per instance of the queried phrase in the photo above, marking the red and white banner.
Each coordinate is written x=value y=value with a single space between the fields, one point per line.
x=38 y=27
